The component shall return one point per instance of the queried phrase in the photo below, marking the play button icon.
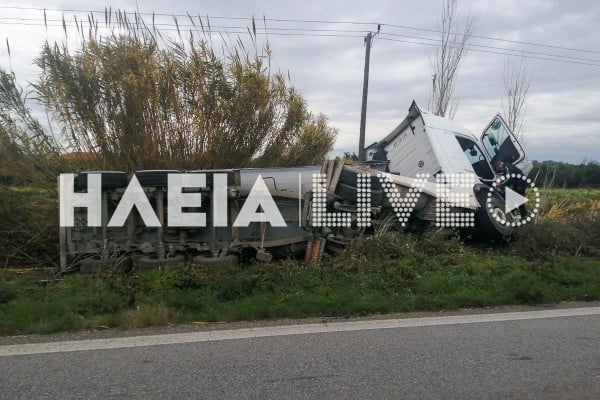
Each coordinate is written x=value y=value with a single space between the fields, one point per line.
x=513 y=200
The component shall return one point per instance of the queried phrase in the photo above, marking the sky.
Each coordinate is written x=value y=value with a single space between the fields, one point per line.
x=558 y=39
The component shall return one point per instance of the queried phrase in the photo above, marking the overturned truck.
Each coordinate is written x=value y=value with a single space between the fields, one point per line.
x=429 y=172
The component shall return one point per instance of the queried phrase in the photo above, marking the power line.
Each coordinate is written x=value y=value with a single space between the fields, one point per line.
x=37 y=22
x=494 y=52
x=241 y=32
x=498 y=48
x=279 y=31
x=498 y=39
x=214 y=29
x=312 y=21
x=270 y=29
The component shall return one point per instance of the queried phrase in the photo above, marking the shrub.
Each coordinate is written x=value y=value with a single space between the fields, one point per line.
x=29 y=228
x=526 y=287
x=548 y=239
x=134 y=102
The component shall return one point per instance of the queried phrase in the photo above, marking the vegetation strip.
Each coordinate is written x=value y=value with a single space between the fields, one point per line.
x=389 y=273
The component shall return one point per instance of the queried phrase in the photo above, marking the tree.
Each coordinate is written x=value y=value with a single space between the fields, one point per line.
x=132 y=100
x=137 y=102
x=517 y=81
x=27 y=153
x=447 y=58
x=28 y=171
x=350 y=156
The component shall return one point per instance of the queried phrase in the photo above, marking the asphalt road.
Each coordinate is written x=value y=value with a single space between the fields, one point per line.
x=522 y=356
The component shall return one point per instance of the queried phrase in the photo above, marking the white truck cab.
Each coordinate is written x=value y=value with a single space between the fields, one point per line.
x=426 y=143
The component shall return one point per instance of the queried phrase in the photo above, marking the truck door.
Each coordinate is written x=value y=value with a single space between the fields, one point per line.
x=500 y=144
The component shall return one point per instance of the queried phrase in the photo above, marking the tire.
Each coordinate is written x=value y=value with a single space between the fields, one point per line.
x=231 y=181
x=334 y=249
x=125 y=264
x=348 y=192
x=486 y=218
x=155 y=178
x=147 y=263
x=94 y=266
x=110 y=180
x=349 y=178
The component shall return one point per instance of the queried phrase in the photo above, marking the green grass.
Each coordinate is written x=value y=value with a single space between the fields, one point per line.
x=557 y=258
x=560 y=195
x=408 y=275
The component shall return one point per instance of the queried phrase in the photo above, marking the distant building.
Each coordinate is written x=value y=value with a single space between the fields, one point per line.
x=78 y=156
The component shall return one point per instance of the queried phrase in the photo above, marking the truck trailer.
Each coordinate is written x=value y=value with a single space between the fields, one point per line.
x=401 y=185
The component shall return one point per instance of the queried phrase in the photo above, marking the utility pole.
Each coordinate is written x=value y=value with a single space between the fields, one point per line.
x=363 y=113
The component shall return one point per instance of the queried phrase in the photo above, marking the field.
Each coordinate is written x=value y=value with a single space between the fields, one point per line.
x=556 y=259
x=573 y=195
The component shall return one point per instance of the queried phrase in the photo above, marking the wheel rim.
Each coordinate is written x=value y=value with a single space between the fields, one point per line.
x=499 y=215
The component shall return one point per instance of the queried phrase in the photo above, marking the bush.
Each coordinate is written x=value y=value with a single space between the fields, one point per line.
x=368 y=252
x=135 y=102
x=526 y=287
x=548 y=239
x=29 y=229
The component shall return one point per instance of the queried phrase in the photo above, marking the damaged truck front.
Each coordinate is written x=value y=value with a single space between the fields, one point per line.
x=427 y=144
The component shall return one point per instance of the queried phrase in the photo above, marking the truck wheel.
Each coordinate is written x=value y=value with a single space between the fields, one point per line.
x=488 y=219
x=94 y=266
x=348 y=192
x=155 y=178
x=349 y=178
x=110 y=179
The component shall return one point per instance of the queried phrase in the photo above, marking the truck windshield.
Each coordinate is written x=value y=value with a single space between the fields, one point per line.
x=475 y=156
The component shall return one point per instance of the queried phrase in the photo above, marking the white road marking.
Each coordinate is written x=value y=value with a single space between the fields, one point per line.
x=207 y=336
